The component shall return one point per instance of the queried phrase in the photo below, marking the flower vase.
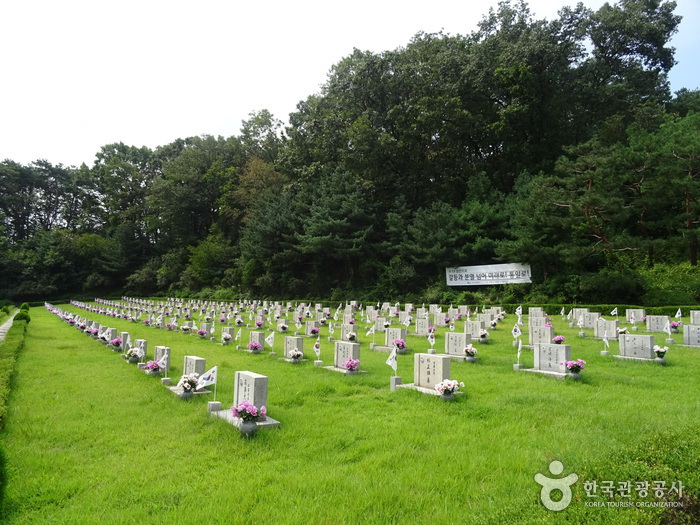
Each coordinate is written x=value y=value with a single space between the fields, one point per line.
x=255 y=350
x=224 y=342
x=152 y=372
x=248 y=429
x=674 y=330
x=116 y=349
x=470 y=359
x=447 y=397
x=295 y=360
x=660 y=360
x=350 y=372
x=186 y=394
x=575 y=375
x=133 y=359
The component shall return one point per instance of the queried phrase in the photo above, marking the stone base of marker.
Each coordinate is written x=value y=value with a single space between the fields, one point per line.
x=648 y=360
x=432 y=351
x=394 y=382
x=212 y=339
x=660 y=360
x=571 y=324
x=557 y=375
x=604 y=352
x=423 y=390
x=372 y=346
x=386 y=349
x=582 y=335
x=214 y=409
x=670 y=342
x=318 y=362
x=331 y=339
x=517 y=366
x=293 y=361
x=483 y=340
x=272 y=353
x=343 y=370
x=634 y=328
x=177 y=390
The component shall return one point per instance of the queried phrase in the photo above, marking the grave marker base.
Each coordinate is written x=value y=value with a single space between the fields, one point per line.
x=177 y=390
x=422 y=389
x=648 y=360
x=226 y=415
x=558 y=375
x=342 y=370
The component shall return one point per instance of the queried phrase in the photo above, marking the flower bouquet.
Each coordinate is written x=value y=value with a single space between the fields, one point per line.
x=469 y=351
x=248 y=412
x=574 y=366
x=259 y=323
x=295 y=354
x=225 y=338
x=169 y=326
x=132 y=355
x=660 y=351
x=186 y=329
x=558 y=339
x=202 y=333
x=400 y=345
x=254 y=347
x=621 y=331
x=448 y=387
x=431 y=329
x=239 y=322
x=351 y=336
x=283 y=327
x=116 y=343
x=483 y=334
x=351 y=365
x=151 y=367
x=188 y=383
x=313 y=331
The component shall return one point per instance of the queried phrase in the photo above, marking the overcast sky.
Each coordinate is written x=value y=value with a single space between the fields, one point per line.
x=77 y=74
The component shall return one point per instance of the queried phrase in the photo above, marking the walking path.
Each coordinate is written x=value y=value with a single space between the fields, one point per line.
x=6 y=326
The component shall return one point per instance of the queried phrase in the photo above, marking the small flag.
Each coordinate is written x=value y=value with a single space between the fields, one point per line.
x=298 y=324
x=605 y=339
x=452 y=327
x=370 y=331
x=431 y=339
x=238 y=334
x=614 y=312
x=407 y=321
x=580 y=321
x=520 y=320
x=141 y=352
x=127 y=343
x=331 y=328
x=667 y=328
x=519 y=310
x=391 y=360
x=632 y=319
x=317 y=346
x=570 y=314
x=208 y=378
x=679 y=314
x=270 y=339
x=520 y=348
x=563 y=311
x=516 y=331
x=163 y=361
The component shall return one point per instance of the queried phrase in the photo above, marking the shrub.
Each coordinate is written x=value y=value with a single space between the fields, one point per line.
x=23 y=315
x=24 y=307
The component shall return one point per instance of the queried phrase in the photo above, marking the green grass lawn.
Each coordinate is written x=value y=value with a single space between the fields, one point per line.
x=92 y=439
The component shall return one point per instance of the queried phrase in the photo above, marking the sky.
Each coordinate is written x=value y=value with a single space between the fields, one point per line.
x=80 y=74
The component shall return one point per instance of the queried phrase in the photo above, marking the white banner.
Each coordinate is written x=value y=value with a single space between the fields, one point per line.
x=488 y=274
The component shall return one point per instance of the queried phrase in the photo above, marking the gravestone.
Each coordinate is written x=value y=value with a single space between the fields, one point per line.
x=535 y=311
x=602 y=327
x=540 y=335
x=194 y=365
x=549 y=356
x=258 y=337
x=309 y=326
x=206 y=327
x=691 y=335
x=142 y=344
x=392 y=334
x=439 y=320
x=455 y=343
x=250 y=387
x=429 y=370
x=695 y=317
x=634 y=346
x=347 y=329
x=227 y=330
x=637 y=313
x=473 y=328
x=379 y=324
x=158 y=353
x=344 y=350
x=590 y=319
x=657 y=323
x=292 y=342
x=422 y=326
x=536 y=322
x=485 y=318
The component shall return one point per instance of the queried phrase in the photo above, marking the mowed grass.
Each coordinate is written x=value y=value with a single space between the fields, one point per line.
x=92 y=439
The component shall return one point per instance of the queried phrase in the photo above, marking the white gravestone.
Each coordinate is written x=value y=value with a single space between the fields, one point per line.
x=428 y=371
x=634 y=346
x=657 y=323
x=422 y=326
x=344 y=350
x=602 y=327
x=292 y=342
x=590 y=319
x=695 y=317
x=158 y=353
x=539 y=335
x=549 y=358
x=637 y=313
x=455 y=343
x=194 y=365
x=691 y=335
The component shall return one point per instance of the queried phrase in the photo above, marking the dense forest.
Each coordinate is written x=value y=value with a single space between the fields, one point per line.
x=551 y=142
